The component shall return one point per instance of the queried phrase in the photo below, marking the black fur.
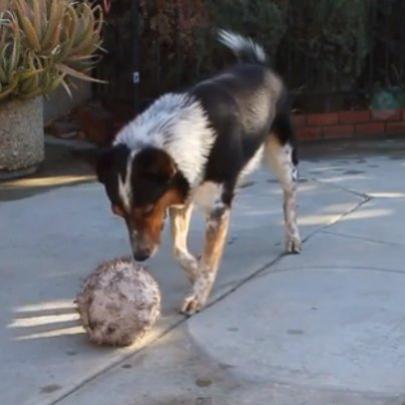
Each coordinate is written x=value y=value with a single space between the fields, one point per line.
x=110 y=164
x=153 y=173
x=228 y=100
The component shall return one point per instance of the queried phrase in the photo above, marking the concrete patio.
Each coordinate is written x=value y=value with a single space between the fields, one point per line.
x=324 y=327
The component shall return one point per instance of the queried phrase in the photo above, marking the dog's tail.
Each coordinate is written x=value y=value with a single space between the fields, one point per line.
x=245 y=49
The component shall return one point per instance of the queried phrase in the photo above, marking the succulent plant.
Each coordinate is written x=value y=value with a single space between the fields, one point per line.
x=46 y=43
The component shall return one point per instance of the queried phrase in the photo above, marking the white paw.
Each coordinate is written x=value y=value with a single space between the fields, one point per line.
x=192 y=304
x=293 y=245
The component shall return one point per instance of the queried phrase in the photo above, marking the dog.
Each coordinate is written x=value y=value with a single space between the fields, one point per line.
x=194 y=148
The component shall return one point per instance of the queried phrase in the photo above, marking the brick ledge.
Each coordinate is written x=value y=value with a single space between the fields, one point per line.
x=347 y=124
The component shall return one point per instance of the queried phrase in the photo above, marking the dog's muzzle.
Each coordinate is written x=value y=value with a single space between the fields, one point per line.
x=141 y=249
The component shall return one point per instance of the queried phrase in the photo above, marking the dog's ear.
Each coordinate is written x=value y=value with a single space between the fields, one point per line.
x=104 y=164
x=110 y=160
x=156 y=165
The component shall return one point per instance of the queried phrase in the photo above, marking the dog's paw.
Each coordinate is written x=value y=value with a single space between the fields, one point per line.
x=192 y=304
x=293 y=245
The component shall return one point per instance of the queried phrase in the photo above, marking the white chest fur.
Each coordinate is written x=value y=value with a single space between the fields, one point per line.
x=207 y=195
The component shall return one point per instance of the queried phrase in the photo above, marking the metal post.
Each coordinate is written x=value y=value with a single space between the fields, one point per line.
x=136 y=79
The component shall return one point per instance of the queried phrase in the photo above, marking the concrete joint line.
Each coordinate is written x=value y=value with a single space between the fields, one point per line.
x=114 y=364
x=338 y=219
x=329 y=267
x=347 y=190
x=349 y=236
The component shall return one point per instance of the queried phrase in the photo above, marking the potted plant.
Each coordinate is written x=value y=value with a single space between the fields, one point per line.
x=43 y=44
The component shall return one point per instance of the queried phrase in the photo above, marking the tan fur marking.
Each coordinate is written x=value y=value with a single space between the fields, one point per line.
x=215 y=237
x=180 y=221
x=148 y=225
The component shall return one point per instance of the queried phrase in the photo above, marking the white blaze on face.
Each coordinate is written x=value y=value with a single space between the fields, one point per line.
x=124 y=186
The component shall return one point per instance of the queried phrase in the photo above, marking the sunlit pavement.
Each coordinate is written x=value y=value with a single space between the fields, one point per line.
x=323 y=327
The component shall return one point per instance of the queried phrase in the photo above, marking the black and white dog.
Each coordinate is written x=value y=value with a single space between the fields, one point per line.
x=194 y=148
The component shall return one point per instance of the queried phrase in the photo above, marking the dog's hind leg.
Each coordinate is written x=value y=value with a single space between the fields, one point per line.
x=180 y=222
x=280 y=155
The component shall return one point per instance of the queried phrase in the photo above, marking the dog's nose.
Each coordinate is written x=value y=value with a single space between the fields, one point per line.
x=141 y=256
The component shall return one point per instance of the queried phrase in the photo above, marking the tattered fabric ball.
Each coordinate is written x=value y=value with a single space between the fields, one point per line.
x=119 y=302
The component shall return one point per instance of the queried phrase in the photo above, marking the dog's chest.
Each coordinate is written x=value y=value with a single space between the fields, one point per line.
x=207 y=195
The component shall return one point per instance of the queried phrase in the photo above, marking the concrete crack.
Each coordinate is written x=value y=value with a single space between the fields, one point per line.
x=363 y=238
x=115 y=363
x=338 y=187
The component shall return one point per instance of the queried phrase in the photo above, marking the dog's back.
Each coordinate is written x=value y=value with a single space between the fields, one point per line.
x=242 y=105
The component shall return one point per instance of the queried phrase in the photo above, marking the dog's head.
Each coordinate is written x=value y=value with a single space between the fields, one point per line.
x=141 y=186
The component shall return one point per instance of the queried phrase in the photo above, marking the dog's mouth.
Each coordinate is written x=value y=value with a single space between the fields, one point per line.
x=143 y=254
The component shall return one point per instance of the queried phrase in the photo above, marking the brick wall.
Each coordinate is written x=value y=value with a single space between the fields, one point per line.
x=347 y=124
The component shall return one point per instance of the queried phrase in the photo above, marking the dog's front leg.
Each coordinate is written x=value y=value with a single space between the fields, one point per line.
x=180 y=222
x=215 y=237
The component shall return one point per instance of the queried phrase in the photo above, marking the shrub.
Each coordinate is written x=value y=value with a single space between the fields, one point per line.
x=46 y=43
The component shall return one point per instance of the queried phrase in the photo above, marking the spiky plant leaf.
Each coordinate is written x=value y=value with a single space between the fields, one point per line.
x=44 y=43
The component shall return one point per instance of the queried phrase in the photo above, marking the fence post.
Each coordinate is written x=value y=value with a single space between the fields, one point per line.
x=135 y=57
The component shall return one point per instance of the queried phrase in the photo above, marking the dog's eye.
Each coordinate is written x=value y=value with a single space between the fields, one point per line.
x=117 y=210
x=148 y=209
